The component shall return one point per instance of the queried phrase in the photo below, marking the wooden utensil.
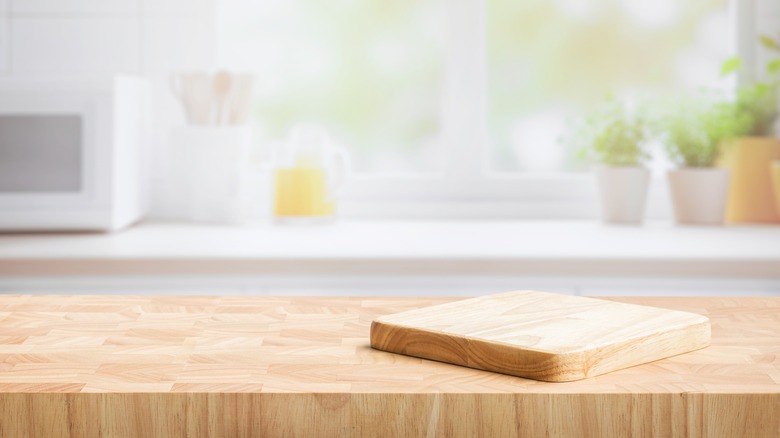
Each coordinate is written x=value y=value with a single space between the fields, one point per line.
x=240 y=99
x=542 y=336
x=221 y=88
x=177 y=83
x=193 y=90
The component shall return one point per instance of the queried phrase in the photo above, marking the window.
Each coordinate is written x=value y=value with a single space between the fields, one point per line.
x=457 y=107
x=548 y=61
x=370 y=72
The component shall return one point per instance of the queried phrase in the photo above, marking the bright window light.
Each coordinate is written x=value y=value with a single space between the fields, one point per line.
x=568 y=54
x=369 y=72
x=458 y=101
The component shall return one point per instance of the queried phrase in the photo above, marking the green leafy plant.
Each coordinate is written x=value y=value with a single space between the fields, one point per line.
x=694 y=128
x=611 y=135
x=759 y=100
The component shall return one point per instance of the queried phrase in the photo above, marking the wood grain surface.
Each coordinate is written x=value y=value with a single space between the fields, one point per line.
x=541 y=335
x=300 y=366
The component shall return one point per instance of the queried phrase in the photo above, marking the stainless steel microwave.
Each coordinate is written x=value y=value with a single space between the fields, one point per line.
x=73 y=153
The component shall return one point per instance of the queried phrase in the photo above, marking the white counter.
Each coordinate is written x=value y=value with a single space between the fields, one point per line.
x=394 y=249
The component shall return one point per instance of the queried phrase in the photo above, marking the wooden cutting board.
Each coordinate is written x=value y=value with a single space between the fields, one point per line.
x=541 y=335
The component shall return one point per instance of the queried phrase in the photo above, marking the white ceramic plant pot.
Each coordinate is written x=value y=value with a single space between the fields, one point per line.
x=699 y=195
x=623 y=192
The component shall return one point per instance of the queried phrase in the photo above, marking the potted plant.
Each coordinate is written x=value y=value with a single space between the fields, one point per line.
x=614 y=137
x=694 y=130
x=750 y=157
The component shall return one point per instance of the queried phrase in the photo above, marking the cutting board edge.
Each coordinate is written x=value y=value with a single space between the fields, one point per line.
x=382 y=338
x=698 y=336
x=571 y=366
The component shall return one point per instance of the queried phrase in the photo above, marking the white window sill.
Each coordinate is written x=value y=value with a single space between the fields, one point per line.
x=402 y=248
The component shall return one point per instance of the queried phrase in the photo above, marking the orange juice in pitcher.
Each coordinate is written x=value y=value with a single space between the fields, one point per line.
x=307 y=178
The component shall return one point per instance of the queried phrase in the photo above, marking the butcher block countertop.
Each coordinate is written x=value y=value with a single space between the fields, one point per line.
x=298 y=366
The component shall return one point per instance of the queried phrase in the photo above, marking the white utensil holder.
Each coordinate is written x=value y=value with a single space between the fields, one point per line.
x=207 y=168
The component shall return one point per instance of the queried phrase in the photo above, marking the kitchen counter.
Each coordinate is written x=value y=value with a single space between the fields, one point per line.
x=540 y=248
x=86 y=365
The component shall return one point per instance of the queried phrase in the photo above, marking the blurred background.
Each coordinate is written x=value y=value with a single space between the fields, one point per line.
x=452 y=120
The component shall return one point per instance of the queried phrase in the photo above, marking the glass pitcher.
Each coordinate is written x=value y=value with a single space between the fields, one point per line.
x=308 y=176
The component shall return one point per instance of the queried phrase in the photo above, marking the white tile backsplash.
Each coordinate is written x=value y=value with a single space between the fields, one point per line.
x=79 y=7
x=83 y=47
